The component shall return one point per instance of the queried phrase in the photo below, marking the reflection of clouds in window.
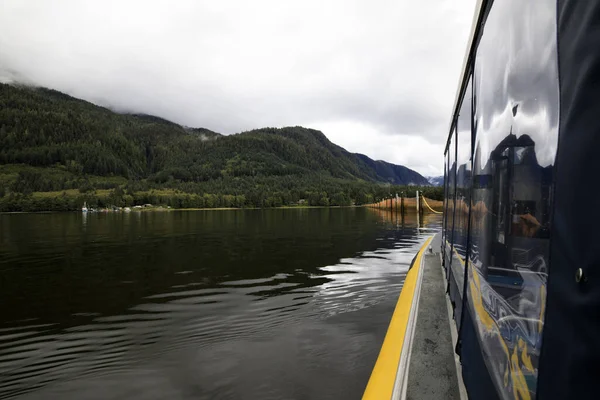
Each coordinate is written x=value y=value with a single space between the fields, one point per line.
x=464 y=127
x=536 y=125
x=464 y=147
x=519 y=153
x=516 y=79
x=516 y=126
x=545 y=135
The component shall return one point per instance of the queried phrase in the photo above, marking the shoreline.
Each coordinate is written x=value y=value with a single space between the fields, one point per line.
x=157 y=209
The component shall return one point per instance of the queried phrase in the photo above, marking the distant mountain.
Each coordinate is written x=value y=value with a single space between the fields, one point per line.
x=435 y=180
x=392 y=173
x=73 y=140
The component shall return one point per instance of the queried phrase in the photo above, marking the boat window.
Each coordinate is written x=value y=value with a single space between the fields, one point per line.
x=463 y=173
x=445 y=221
x=462 y=202
x=516 y=130
x=450 y=199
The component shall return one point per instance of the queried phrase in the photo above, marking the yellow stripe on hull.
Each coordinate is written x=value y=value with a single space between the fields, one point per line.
x=383 y=378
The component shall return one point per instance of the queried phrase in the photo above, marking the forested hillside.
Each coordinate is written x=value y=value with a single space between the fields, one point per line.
x=57 y=151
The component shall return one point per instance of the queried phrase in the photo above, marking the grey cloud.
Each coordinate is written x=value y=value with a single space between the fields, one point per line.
x=234 y=65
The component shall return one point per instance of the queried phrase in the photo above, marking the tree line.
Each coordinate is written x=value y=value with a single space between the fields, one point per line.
x=41 y=190
x=75 y=151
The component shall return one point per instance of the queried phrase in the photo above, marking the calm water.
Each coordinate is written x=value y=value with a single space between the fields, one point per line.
x=255 y=304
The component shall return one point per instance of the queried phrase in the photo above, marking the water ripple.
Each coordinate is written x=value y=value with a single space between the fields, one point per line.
x=197 y=317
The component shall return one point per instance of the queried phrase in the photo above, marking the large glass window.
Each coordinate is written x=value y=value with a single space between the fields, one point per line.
x=450 y=200
x=445 y=204
x=516 y=132
x=462 y=201
x=463 y=173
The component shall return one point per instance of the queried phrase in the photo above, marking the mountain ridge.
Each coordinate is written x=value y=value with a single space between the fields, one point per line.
x=50 y=142
x=382 y=171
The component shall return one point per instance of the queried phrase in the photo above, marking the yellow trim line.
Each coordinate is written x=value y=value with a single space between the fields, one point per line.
x=388 y=377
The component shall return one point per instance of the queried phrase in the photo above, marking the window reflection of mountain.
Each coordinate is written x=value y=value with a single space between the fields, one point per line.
x=509 y=236
x=510 y=213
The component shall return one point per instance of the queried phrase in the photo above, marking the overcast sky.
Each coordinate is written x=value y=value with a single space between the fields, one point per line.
x=377 y=77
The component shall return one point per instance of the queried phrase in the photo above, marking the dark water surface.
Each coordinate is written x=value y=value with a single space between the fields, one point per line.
x=255 y=304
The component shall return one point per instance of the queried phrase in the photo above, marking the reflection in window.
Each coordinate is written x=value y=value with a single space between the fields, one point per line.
x=515 y=114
